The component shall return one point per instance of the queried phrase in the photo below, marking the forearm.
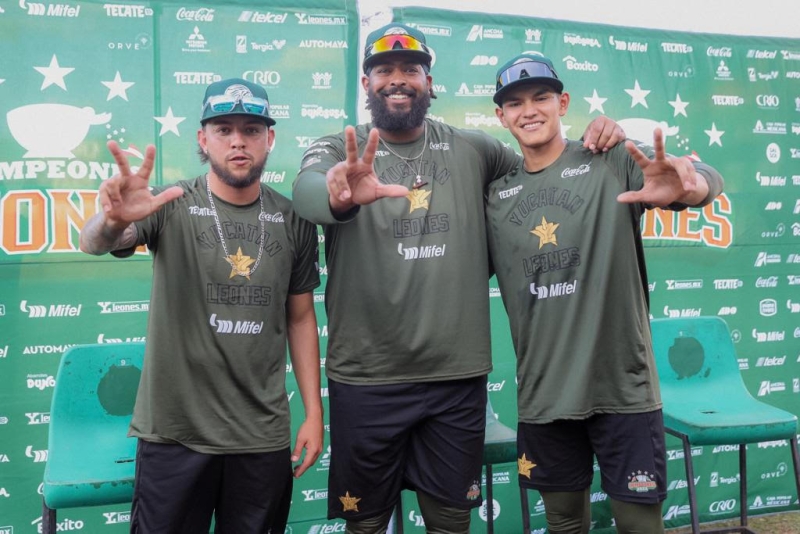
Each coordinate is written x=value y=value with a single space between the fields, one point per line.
x=310 y=198
x=303 y=342
x=98 y=236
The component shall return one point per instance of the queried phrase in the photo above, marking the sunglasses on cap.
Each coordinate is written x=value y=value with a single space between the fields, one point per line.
x=525 y=69
x=225 y=103
x=388 y=43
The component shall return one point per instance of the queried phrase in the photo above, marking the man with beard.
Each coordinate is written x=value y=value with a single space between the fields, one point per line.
x=233 y=274
x=407 y=295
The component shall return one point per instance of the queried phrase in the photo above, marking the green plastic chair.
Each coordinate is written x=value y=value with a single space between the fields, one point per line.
x=706 y=401
x=90 y=458
x=500 y=447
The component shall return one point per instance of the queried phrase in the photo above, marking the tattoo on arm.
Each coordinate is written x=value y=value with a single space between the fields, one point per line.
x=97 y=238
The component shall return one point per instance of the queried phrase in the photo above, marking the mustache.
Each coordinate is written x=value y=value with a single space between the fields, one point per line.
x=398 y=91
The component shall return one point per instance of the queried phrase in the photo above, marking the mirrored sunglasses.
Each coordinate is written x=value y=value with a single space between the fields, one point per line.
x=225 y=103
x=525 y=69
x=387 y=43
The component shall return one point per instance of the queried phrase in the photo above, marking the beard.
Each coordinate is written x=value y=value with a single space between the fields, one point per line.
x=392 y=121
x=253 y=176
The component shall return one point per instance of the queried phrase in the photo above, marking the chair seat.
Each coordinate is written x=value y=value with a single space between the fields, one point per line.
x=726 y=420
x=90 y=473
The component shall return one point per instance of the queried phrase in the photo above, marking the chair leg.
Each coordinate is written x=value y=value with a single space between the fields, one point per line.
x=687 y=460
x=796 y=462
x=489 y=501
x=526 y=515
x=743 y=484
x=48 y=519
x=398 y=516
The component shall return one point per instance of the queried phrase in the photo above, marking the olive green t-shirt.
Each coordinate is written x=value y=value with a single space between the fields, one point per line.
x=407 y=293
x=215 y=361
x=571 y=269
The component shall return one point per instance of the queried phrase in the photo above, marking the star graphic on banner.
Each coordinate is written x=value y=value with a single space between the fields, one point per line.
x=638 y=95
x=679 y=105
x=118 y=88
x=714 y=135
x=524 y=466
x=2 y=80
x=349 y=504
x=240 y=264
x=169 y=123
x=546 y=232
x=595 y=102
x=418 y=199
x=54 y=74
x=564 y=129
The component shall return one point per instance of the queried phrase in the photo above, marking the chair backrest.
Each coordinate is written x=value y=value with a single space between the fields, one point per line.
x=91 y=409
x=696 y=352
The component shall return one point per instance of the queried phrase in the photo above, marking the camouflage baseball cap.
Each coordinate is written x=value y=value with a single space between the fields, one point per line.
x=525 y=69
x=235 y=96
x=396 y=37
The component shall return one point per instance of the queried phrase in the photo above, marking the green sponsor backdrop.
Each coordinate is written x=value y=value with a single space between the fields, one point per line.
x=137 y=77
x=734 y=102
x=75 y=75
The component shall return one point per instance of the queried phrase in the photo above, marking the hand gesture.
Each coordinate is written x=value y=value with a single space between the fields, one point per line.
x=353 y=181
x=309 y=437
x=125 y=197
x=667 y=179
x=602 y=134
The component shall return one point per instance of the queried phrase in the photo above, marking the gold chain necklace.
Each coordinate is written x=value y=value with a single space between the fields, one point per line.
x=418 y=177
x=236 y=261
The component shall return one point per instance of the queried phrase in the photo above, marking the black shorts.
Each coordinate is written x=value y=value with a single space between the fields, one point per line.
x=630 y=450
x=421 y=436
x=177 y=490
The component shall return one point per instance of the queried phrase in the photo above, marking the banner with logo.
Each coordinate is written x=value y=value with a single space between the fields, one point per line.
x=76 y=74
x=138 y=77
x=731 y=101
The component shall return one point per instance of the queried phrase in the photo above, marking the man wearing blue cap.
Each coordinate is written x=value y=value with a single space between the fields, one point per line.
x=407 y=294
x=233 y=273
x=565 y=240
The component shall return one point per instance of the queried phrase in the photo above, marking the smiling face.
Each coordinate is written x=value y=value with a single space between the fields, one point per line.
x=398 y=92
x=237 y=147
x=532 y=113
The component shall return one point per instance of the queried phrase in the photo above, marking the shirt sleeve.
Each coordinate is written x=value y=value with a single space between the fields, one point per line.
x=310 y=190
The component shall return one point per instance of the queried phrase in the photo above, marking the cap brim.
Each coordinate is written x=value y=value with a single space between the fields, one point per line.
x=421 y=57
x=268 y=120
x=555 y=83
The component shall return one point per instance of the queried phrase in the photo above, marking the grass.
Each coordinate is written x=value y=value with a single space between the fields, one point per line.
x=784 y=523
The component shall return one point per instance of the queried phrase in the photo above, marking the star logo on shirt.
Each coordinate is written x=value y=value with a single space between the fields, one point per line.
x=524 y=466
x=349 y=504
x=418 y=199
x=546 y=232
x=240 y=264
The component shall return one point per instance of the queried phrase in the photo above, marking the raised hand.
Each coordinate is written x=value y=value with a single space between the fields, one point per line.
x=667 y=179
x=602 y=134
x=125 y=197
x=353 y=181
